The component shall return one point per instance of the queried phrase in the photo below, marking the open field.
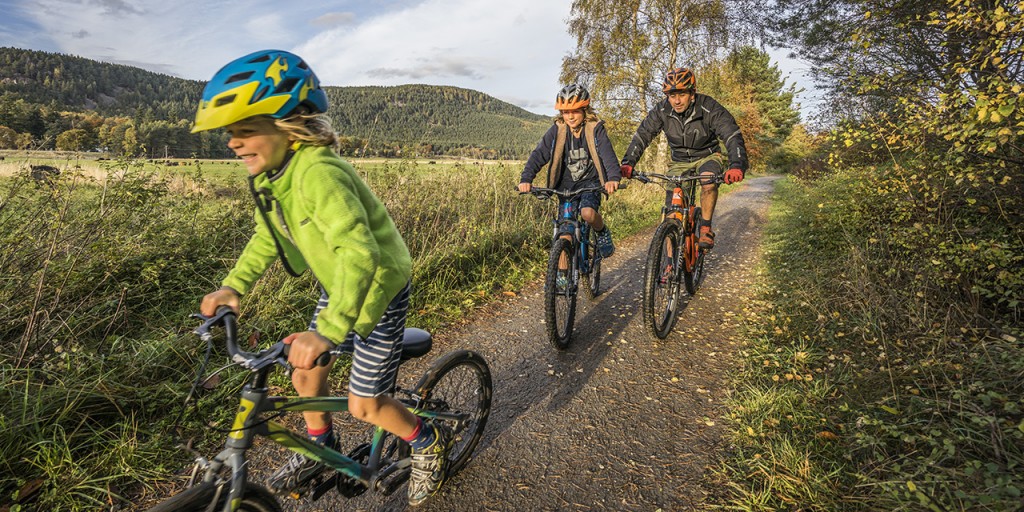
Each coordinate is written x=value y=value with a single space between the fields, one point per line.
x=98 y=165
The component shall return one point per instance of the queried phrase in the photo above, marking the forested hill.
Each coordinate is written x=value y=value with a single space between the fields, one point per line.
x=56 y=101
x=435 y=120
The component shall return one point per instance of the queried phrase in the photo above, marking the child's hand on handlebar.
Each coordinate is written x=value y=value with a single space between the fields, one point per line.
x=524 y=188
x=223 y=297
x=306 y=347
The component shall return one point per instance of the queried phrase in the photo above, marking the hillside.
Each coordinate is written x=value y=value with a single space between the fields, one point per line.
x=51 y=100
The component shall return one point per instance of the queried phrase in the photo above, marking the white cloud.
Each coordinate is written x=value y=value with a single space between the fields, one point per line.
x=332 y=19
x=513 y=52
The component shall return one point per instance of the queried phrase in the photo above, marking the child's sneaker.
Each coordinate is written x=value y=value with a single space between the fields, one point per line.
x=562 y=280
x=430 y=465
x=604 y=242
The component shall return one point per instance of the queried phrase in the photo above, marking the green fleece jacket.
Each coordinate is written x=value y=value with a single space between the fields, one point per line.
x=336 y=227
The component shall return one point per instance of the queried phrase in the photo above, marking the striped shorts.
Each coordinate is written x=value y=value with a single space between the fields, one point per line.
x=374 y=359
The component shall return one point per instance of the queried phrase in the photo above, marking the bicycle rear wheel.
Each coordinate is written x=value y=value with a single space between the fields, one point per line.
x=694 y=276
x=661 y=280
x=205 y=494
x=459 y=382
x=592 y=280
x=560 y=294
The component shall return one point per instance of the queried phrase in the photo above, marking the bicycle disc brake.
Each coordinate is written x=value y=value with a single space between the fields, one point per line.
x=348 y=486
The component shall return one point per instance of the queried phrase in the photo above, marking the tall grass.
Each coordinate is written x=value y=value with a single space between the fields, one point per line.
x=98 y=276
x=877 y=377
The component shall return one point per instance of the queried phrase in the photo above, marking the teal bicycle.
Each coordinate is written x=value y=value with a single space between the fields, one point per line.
x=456 y=389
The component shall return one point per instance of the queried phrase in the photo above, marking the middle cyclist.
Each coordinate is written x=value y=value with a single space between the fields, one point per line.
x=578 y=154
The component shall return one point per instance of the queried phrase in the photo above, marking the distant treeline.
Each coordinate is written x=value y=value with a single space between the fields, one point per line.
x=56 y=101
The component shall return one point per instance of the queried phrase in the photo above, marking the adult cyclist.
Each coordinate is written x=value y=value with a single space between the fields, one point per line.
x=693 y=124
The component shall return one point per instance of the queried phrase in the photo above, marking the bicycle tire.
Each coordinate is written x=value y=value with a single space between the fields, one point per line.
x=459 y=381
x=560 y=305
x=694 y=276
x=199 y=498
x=661 y=293
x=592 y=280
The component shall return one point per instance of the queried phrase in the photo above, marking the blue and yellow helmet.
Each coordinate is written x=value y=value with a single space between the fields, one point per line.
x=266 y=83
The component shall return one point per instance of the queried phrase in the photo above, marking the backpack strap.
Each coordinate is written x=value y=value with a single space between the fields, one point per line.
x=555 y=167
x=588 y=133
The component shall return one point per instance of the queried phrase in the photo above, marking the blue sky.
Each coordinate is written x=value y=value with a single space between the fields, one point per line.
x=511 y=50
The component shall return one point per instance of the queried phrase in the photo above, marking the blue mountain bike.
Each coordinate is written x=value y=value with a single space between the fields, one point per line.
x=574 y=260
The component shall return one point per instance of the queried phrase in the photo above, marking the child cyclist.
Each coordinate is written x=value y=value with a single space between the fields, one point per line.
x=314 y=212
x=578 y=154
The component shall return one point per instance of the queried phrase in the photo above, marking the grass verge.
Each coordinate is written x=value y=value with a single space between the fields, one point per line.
x=867 y=384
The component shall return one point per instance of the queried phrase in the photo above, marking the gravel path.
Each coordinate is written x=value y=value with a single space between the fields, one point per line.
x=616 y=422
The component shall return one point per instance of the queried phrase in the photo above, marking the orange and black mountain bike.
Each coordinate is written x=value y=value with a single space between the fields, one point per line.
x=674 y=259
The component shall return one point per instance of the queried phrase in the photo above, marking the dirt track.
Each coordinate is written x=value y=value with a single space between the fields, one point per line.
x=616 y=422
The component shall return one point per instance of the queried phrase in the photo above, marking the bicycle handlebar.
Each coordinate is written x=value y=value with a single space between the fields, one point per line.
x=275 y=354
x=544 y=193
x=678 y=179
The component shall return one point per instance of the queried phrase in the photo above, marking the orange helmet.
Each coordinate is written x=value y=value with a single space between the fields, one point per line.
x=572 y=97
x=679 y=80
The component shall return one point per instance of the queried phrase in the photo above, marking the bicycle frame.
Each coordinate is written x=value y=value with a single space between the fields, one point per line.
x=683 y=209
x=569 y=222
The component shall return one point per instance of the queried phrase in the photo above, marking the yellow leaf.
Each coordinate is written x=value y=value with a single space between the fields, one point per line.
x=1000 y=26
x=911 y=486
x=890 y=410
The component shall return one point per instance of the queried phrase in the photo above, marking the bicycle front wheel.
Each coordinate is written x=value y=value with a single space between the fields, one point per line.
x=661 y=280
x=206 y=494
x=592 y=279
x=560 y=294
x=459 y=382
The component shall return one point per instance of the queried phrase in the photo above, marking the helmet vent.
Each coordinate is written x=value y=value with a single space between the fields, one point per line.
x=238 y=77
x=262 y=58
x=226 y=100
x=260 y=94
x=286 y=85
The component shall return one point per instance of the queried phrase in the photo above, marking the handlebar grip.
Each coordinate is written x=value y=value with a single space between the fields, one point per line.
x=323 y=359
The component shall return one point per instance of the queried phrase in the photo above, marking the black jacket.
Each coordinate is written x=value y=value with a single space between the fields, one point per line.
x=692 y=135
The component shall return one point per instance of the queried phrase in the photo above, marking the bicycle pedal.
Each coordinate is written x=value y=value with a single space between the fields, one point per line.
x=389 y=484
x=318 y=489
x=302 y=489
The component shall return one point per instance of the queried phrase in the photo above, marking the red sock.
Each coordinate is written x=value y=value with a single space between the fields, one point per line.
x=416 y=431
x=318 y=431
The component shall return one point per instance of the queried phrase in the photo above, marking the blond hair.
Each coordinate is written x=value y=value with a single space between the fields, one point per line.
x=312 y=129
